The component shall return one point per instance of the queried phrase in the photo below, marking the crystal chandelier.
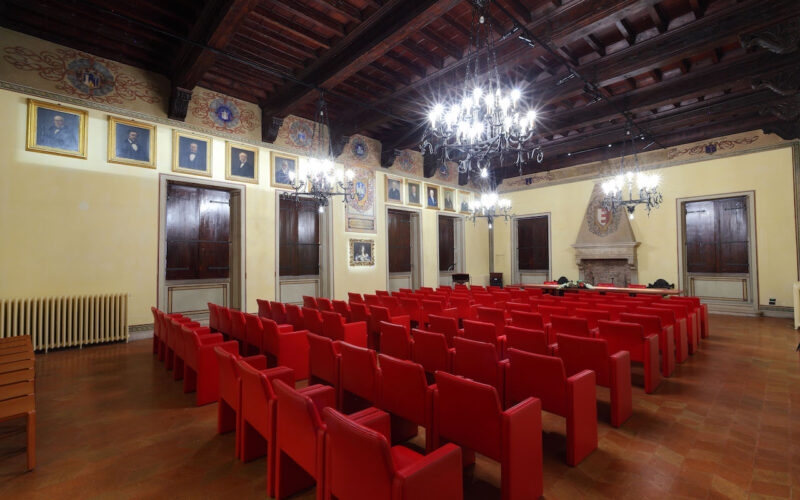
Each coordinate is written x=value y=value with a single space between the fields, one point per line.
x=318 y=178
x=646 y=185
x=482 y=121
x=490 y=206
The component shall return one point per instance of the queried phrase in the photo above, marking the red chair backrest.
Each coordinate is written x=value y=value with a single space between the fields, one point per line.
x=530 y=320
x=581 y=353
x=650 y=323
x=294 y=317
x=298 y=426
x=355 y=298
x=324 y=359
x=480 y=331
x=538 y=376
x=431 y=351
x=404 y=389
x=313 y=320
x=359 y=371
x=526 y=339
x=446 y=325
x=309 y=301
x=478 y=361
x=569 y=325
x=395 y=340
x=278 y=312
x=264 y=308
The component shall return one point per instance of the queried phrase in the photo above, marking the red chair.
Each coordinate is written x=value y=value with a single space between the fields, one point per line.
x=312 y=318
x=413 y=308
x=614 y=310
x=324 y=362
x=342 y=308
x=300 y=436
x=380 y=313
x=239 y=333
x=264 y=308
x=281 y=344
x=527 y=340
x=592 y=316
x=354 y=298
x=200 y=366
x=359 y=377
x=700 y=309
x=360 y=312
x=372 y=299
x=309 y=301
x=642 y=348
x=257 y=415
x=529 y=320
x=574 y=398
x=230 y=392
x=213 y=319
x=512 y=437
x=406 y=395
x=335 y=327
x=668 y=320
x=463 y=306
x=278 y=310
x=547 y=311
x=173 y=358
x=435 y=306
x=475 y=360
x=393 y=304
x=224 y=315
x=612 y=369
x=294 y=317
x=570 y=326
x=485 y=332
x=684 y=312
x=360 y=464
x=395 y=340
x=446 y=325
x=493 y=315
x=325 y=304
x=666 y=341
x=431 y=351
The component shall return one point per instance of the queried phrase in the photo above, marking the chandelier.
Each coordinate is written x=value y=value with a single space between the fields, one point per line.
x=481 y=121
x=318 y=178
x=622 y=185
x=490 y=206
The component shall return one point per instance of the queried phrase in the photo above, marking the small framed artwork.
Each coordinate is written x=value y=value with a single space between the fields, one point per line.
x=449 y=197
x=284 y=170
x=432 y=196
x=394 y=189
x=412 y=193
x=241 y=163
x=191 y=154
x=56 y=129
x=464 y=197
x=131 y=143
x=362 y=253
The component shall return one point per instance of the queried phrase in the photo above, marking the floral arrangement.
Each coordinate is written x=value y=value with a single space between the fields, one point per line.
x=576 y=284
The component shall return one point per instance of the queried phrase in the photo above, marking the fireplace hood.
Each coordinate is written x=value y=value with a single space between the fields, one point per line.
x=605 y=249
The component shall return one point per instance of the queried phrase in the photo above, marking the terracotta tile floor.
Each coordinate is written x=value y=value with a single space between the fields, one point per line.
x=113 y=424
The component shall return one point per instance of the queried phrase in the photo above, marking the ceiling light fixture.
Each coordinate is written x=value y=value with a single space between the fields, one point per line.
x=489 y=206
x=482 y=121
x=319 y=179
x=647 y=185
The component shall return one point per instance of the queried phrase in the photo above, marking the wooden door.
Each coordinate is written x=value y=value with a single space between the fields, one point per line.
x=299 y=243
x=197 y=233
x=717 y=236
x=533 y=249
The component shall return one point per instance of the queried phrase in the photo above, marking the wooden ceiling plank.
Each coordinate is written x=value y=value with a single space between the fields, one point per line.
x=320 y=22
x=454 y=51
x=300 y=34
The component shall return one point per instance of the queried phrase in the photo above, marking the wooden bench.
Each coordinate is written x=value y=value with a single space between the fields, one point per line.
x=17 y=385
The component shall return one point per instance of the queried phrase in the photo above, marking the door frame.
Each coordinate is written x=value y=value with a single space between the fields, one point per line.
x=234 y=292
x=535 y=276
x=748 y=304
x=320 y=286
x=416 y=244
x=446 y=277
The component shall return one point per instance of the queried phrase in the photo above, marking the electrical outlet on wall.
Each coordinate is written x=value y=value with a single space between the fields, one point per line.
x=772 y=301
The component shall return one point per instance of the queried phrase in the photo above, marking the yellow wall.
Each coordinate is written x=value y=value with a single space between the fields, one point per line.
x=73 y=226
x=767 y=173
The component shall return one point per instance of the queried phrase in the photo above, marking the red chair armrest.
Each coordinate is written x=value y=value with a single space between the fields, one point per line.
x=436 y=476
x=210 y=338
x=259 y=361
x=285 y=328
x=282 y=373
x=522 y=449
x=322 y=395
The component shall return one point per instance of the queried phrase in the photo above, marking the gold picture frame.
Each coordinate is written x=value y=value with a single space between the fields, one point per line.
x=131 y=142
x=283 y=169
x=394 y=189
x=191 y=154
x=448 y=199
x=241 y=163
x=464 y=198
x=56 y=129
x=362 y=252
x=432 y=196
x=413 y=193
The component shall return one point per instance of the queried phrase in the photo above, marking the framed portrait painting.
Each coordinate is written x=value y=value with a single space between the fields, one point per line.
x=394 y=189
x=432 y=196
x=464 y=198
x=284 y=170
x=56 y=129
x=191 y=154
x=362 y=253
x=413 y=190
x=449 y=199
x=131 y=143
x=241 y=163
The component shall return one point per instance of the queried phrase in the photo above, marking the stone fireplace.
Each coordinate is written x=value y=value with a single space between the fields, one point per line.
x=605 y=249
